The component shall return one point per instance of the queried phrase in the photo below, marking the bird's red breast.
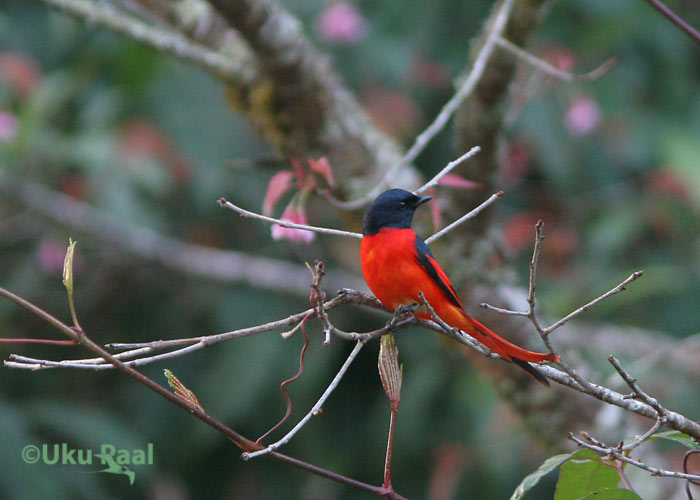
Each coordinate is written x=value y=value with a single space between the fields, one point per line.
x=390 y=268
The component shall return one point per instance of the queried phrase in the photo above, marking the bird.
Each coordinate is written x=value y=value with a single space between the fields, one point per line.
x=397 y=265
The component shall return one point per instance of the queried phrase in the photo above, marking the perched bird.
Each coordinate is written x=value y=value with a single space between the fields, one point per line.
x=397 y=265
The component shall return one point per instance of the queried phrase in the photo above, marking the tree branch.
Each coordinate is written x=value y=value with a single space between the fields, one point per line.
x=675 y=19
x=236 y=72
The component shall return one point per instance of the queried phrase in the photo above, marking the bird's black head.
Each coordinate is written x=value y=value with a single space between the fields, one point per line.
x=393 y=208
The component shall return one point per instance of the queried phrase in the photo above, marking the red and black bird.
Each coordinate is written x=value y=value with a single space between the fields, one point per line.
x=397 y=265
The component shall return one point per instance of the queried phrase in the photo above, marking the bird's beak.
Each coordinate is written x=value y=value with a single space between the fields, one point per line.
x=422 y=200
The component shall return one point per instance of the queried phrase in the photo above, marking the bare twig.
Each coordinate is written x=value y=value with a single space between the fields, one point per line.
x=613 y=452
x=619 y=288
x=323 y=230
x=660 y=421
x=448 y=168
x=532 y=283
x=470 y=215
x=675 y=19
x=545 y=67
x=636 y=390
x=173 y=43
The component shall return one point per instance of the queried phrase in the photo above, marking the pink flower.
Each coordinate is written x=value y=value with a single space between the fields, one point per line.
x=8 y=126
x=280 y=183
x=293 y=213
x=323 y=167
x=21 y=73
x=583 y=116
x=457 y=181
x=341 y=23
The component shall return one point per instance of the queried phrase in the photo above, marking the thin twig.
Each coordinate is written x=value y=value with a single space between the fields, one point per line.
x=613 y=452
x=158 y=38
x=507 y=312
x=619 y=288
x=473 y=213
x=636 y=390
x=532 y=282
x=323 y=230
x=638 y=440
x=675 y=19
x=448 y=168
x=546 y=67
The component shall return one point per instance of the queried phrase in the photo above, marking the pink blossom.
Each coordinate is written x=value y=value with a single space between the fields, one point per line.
x=21 y=73
x=8 y=126
x=457 y=181
x=280 y=183
x=583 y=116
x=435 y=210
x=322 y=166
x=341 y=23
x=295 y=214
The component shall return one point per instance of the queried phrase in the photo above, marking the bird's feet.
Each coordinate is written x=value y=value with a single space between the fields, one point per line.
x=402 y=313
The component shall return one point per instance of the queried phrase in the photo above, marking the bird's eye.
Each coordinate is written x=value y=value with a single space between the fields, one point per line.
x=402 y=205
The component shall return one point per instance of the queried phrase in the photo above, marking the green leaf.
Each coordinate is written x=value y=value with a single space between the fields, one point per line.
x=678 y=437
x=532 y=479
x=612 y=494
x=585 y=473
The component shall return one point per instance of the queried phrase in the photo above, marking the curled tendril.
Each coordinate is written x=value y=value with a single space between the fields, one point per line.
x=686 y=457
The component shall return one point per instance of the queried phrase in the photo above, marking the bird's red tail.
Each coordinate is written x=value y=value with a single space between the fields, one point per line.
x=511 y=352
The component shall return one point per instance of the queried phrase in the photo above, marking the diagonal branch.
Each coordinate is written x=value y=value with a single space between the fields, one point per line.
x=544 y=66
x=613 y=452
x=675 y=19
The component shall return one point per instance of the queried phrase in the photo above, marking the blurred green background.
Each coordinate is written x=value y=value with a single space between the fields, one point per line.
x=612 y=166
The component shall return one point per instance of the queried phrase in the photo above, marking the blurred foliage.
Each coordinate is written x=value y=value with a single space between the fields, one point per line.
x=611 y=166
